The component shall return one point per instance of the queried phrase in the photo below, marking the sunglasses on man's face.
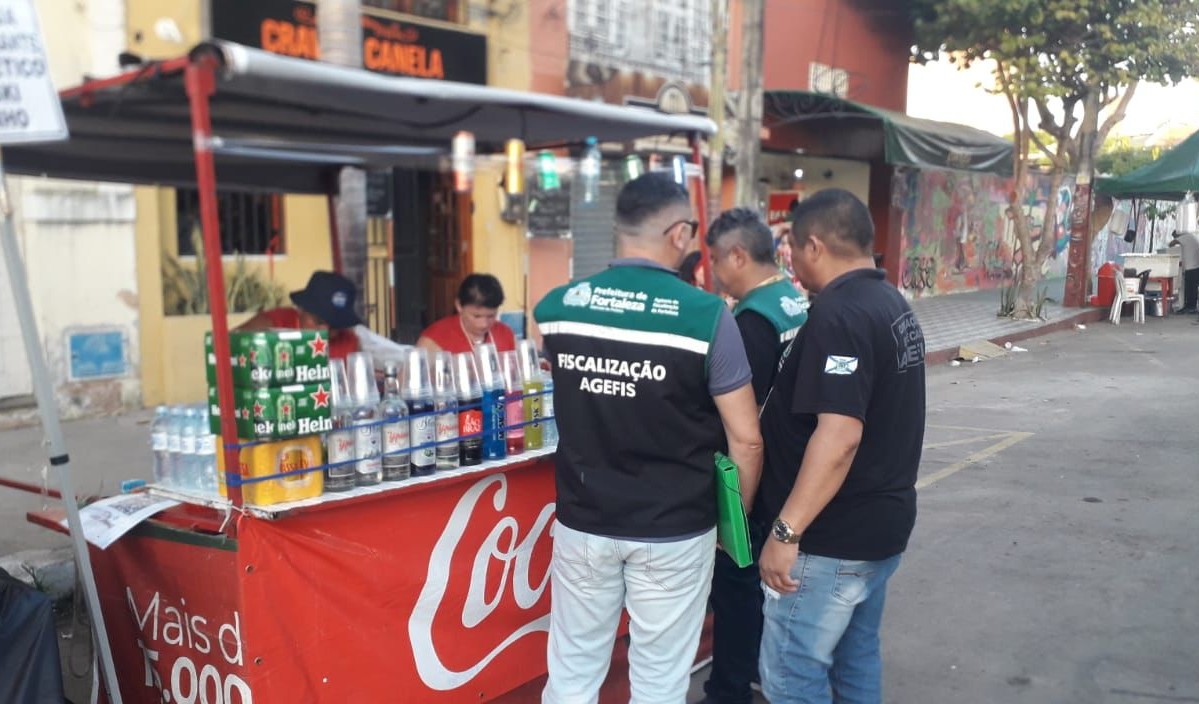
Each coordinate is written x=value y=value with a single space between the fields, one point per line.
x=693 y=225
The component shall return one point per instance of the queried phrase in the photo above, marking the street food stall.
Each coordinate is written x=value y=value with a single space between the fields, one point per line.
x=433 y=589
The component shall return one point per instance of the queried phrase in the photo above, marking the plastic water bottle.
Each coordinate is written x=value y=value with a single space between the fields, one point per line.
x=397 y=461
x=589 y=171
x=188 y=477
x=174 y=468
x=547 y=411
x=205 y=454
x=158 y=445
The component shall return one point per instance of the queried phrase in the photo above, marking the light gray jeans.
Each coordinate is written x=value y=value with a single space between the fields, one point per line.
x=664 y=587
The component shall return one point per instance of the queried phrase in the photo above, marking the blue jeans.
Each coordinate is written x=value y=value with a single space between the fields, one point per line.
x=820 y=643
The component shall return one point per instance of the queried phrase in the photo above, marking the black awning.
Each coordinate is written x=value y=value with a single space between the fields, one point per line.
x=286 y=124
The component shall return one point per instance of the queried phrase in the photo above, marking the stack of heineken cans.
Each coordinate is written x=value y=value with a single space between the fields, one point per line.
x=281 y=393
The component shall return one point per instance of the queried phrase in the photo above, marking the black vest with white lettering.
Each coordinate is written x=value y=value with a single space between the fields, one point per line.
x=637 y=425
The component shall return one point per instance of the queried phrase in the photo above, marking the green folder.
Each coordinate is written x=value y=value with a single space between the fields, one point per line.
x=732 y=527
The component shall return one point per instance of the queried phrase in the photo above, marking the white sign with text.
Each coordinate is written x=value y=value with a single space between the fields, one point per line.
x=29 y=106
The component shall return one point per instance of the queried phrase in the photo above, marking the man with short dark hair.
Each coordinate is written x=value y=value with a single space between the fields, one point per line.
x=843 y=428
x=650 y=380
x=475 y=320
x=769 y=313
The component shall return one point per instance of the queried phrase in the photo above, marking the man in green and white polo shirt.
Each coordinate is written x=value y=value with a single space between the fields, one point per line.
x=650 y=380
x=769 y=313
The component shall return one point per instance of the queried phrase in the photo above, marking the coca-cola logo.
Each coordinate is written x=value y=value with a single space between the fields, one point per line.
x=514 y=554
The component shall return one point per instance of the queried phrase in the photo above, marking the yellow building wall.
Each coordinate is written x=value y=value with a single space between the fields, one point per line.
x=500 y=248
x=142 y=17
x=172 y=347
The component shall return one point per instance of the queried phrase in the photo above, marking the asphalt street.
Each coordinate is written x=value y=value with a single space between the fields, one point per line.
x=1055 y=556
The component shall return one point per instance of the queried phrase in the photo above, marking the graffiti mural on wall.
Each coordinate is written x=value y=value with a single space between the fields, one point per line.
x=956 y=233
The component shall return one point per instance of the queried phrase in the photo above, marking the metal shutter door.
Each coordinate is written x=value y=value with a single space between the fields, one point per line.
x=591 y=225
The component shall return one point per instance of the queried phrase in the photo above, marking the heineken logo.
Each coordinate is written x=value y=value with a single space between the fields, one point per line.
x=307 y=375
x=310 y=426
x=319 y=346
x=259 y=409
x=288 y=427
x=264 y=428
x=260 y=374
x=320 y=397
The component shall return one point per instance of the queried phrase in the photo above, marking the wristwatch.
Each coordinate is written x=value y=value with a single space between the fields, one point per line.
x=782 y=532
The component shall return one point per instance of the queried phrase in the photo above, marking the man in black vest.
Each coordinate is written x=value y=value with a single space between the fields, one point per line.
x=843 y=427
x=769 y=313
x=650 y=378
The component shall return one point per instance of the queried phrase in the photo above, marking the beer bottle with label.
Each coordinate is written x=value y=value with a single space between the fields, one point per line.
x=339 y=442
x=418 y=393
x=530 y=369
x=470 y=409
x=397 y=461
x=368 y=436
x=514 y=414
x=445 y=402
x=495 y=407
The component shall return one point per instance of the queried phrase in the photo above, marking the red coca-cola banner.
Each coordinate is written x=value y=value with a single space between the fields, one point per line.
x=439 y=593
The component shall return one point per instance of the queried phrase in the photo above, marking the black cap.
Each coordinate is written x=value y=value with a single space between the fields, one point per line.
x=330 y=297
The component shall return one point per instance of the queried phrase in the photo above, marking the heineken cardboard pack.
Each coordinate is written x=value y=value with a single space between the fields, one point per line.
x=278 y=357
x=276 y=413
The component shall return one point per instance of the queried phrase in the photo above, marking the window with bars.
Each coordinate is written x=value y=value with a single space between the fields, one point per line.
x=446 y=10
x=251 y=223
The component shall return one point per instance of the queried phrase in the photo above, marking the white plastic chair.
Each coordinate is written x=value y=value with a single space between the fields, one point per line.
x=1123 y=295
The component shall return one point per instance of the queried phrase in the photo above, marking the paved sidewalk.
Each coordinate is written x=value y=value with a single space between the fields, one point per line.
x=952 y=320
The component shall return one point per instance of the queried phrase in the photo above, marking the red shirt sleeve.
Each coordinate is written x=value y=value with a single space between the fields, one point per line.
x=282 y=317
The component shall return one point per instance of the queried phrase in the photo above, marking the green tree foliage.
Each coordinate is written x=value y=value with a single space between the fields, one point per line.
x=1120 y=156
x=1087 y=54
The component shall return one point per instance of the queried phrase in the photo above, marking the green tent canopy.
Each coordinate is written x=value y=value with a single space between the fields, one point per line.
x=1170 y=177
x=836 y=127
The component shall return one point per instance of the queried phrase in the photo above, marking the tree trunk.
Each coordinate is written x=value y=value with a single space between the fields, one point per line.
x=339 y=32
x=749 y=104
x=1078 y=271
x=716 y=93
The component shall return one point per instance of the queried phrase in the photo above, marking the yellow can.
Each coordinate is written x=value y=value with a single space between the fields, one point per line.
x=271 y=458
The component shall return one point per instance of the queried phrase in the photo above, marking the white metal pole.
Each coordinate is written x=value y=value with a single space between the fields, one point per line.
x=48 y=409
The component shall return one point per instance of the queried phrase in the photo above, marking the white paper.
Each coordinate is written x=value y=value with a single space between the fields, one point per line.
x=108 y=519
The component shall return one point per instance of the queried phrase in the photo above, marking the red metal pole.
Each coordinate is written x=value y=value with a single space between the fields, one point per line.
x=334 y=233
x=200 y=79
x=31 y=488
x=701 y=214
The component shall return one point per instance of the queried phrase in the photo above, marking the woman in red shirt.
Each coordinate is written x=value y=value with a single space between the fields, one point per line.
x=479 y=299
x=326 y=302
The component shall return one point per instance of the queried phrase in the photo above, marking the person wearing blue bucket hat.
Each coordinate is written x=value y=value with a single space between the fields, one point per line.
x=327 y=302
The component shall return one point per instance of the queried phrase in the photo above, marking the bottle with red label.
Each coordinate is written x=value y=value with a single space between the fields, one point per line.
x=470 y=409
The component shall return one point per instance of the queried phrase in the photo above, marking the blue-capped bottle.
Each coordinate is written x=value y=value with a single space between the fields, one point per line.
x=495 y=410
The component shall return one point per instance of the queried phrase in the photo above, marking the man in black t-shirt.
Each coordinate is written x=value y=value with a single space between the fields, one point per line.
x=843 y=428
